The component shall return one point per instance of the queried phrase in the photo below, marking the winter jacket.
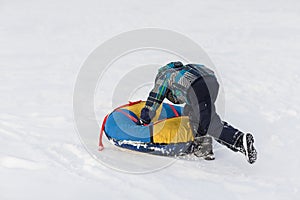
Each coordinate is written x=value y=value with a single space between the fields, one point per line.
x=172 y=81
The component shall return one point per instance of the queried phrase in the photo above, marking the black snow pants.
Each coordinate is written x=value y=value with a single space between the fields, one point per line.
x=202 y=113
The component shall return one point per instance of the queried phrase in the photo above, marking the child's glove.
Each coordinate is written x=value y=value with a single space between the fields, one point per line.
x=145 y=116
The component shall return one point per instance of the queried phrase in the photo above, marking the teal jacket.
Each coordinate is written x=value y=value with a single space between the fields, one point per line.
x=172 y=82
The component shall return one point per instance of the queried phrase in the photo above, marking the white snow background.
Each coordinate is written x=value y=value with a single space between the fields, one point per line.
x=254 y=45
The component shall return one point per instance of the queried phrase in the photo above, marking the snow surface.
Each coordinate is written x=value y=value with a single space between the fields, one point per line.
x=254 y=44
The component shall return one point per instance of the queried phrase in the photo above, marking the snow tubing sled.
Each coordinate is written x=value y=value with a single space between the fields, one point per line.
x=168 y=134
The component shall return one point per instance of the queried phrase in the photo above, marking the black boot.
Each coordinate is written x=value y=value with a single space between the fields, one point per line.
x=244 y=144
x=203 y=147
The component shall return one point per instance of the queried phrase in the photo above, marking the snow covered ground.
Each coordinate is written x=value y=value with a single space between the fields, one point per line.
x=254 y=45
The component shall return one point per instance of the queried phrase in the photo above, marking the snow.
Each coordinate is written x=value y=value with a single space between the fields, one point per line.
x=254 y=45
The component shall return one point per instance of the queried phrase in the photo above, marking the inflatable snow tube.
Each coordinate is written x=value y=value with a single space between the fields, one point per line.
x=168 y=134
